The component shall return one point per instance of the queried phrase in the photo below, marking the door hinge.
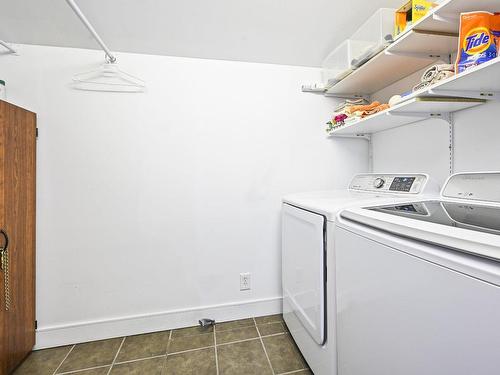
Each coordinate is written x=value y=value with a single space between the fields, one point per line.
x=36 y=324
x=36 y=132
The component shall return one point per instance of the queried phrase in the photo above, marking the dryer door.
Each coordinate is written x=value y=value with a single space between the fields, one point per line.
x=304 y=274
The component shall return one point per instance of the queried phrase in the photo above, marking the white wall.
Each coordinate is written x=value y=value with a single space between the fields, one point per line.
x=423 y=146
x=150 y=205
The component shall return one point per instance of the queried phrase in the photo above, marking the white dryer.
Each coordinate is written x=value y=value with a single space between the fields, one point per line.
x=418 y=283
x=308 y=261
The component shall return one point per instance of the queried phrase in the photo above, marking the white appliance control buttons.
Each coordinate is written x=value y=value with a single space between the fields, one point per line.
x=378 y=183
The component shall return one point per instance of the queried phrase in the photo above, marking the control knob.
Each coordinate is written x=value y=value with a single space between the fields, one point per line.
x=378 y=183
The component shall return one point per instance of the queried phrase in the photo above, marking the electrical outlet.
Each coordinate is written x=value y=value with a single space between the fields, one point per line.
x=245 y=279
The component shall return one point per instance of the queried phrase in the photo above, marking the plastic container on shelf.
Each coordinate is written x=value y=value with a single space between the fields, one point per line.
x=3 y=93
x=372 y=37
x=338 y=64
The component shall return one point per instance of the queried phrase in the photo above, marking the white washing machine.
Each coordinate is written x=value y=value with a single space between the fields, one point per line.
x=308 y=262
x=418 y=284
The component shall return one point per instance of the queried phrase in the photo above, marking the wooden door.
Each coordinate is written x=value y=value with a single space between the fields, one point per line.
x=17 y=220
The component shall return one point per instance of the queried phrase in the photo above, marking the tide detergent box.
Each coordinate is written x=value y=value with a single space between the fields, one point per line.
x=410 y=13
x=479 y=39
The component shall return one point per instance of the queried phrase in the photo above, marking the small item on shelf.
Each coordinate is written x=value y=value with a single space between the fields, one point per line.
x=434 y=70
x=3 y=93
x=373 y=36
x=366 y=56
x=348 y=114
x=339 y=121
x=410 y=13
x=349 y=103
x=479 y=39
x=396 y=99
x=373 y=111
x=337 y=64
x=359 y=109
x=435 y=74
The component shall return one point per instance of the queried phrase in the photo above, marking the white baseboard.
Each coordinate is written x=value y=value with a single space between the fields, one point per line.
x=67 y=334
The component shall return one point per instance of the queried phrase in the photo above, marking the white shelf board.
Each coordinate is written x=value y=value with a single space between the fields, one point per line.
x=445 y=18
x=482 y=81
x=410 y=53
x=418 y=42
x=408 y=112
x=401 y=58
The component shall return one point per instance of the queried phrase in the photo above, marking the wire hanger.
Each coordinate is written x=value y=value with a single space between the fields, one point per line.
x=108 y=77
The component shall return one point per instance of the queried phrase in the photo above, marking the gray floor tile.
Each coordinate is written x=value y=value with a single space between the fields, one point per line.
x=272 y=328
x=190 y=342
x=197 y=362
x=91 y=354
x=190 y=352
x=243 y=358
x=283 y=353
x=43 y=362
x=236 y=335
x=191 y=331
x=154 y=366
x=144 y=346
x=225 y=326
x=269 y=319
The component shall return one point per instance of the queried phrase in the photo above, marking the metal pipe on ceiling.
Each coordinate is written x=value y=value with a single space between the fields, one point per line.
x=89 y=26
x=4 y=44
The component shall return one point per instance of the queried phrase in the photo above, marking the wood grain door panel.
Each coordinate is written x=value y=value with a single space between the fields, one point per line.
x=17 y=218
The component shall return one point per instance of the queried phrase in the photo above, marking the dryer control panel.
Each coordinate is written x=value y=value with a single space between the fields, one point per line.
x=390 y=183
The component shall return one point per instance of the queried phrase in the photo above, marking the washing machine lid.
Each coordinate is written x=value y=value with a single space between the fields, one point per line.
x=329 y=203
x=364 y=189
x=459 y=225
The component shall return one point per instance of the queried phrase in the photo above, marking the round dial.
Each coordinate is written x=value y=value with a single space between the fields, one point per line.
x=378 y=183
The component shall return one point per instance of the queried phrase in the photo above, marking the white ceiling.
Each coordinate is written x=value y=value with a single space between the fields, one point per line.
x=290 y=32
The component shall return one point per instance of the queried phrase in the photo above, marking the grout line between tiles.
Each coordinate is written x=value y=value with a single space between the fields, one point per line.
x=215 y=351
x=263 y=347
x=193 y=335
x=141 y=359
x=81 y=370
x=238 y=341
x=66 y=356
x=276 y=334
x=185 y=351
x=293 y=372
x=220 y=330
x=116 y=356
x=191 y=350
x=164 y=367
x=168 y=342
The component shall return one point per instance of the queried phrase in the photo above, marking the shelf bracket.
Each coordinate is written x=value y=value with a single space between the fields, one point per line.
x=421 y=115
x=347 y=96
x=417 y=55
x=314 y=88
x=322 y=90
x=366 y=137
x=451 y=141
x=445 y=116
x=487 y=95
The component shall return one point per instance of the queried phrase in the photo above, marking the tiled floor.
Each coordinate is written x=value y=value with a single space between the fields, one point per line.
x=254 y=346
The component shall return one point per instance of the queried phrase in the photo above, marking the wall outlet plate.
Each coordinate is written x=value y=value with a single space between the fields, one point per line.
x=245 y=279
